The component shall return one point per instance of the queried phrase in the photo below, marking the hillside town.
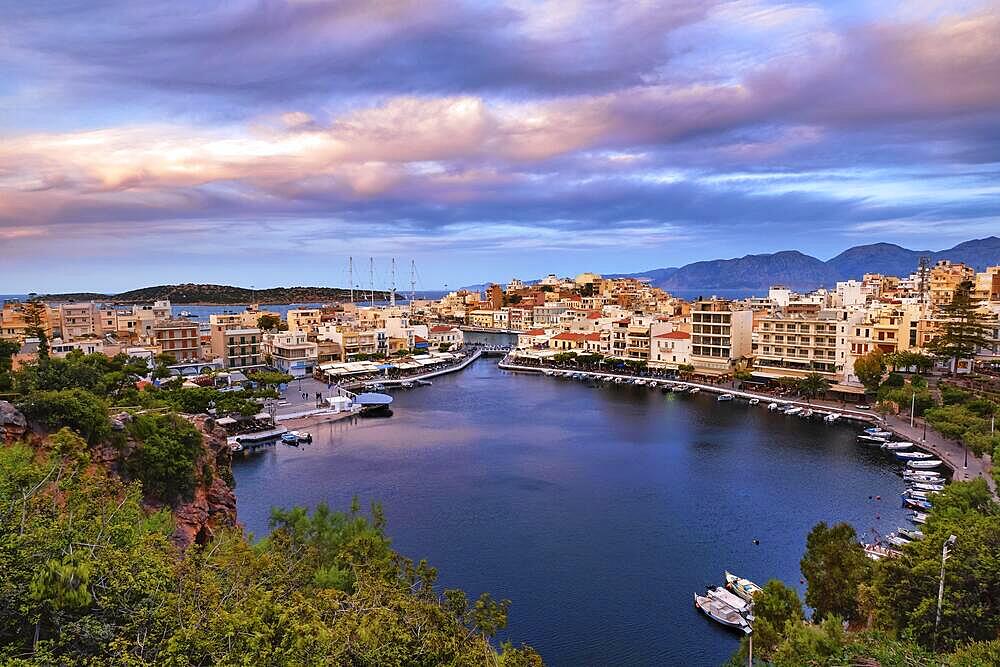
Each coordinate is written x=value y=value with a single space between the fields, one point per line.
x=621 y=321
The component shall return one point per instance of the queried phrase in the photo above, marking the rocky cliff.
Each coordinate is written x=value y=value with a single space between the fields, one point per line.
x=212 y=506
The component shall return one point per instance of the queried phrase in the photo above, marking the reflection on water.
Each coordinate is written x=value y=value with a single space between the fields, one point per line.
x=598 y=512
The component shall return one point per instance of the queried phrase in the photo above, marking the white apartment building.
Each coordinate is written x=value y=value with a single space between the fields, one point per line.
x=721 y=335
x=291 y=352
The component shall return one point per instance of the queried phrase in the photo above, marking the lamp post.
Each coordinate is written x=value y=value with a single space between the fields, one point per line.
x=950 y=542
x=913 y=405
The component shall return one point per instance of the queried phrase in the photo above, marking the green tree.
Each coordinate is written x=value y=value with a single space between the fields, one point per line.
x=35 y=316
x=8 y=348
x=775 y=607
x=164 y=461
x=268 y=322
x=870 y=368
x=964 y=329
x=834 y=566
x=813 y=385
x=76 y=409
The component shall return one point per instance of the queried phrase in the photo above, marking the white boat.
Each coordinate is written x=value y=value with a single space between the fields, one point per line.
x=754 y=401
x=678 y=388
x=918 y=517
x=918 y=494
x=872 y=438
x=806 y=413
x=302 y=436
x=878 y=434
x=693 y=390
x=878 y=552
x=913 y=456
x=926 y=464
x=723 y=595
x=832 y=417
x=742 y=587
x=922 y=486
x=875 y=430
x=772 y=406
x=549 y=373
x=236 y=447
x=914 y=535
x=925 y=479
x=721 y=612
x=897 y=541
x=725 y=397
x=406 y=384
x=794 y=410
x=896 y=446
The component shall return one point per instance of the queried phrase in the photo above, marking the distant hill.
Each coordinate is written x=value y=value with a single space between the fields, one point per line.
x=800 y=271
x=219 y=294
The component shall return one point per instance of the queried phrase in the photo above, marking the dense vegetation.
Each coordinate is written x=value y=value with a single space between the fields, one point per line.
x=219 y=294
x=88 y=575
x=890 y=605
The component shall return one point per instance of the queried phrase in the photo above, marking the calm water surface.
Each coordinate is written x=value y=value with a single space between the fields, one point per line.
x=598 y=512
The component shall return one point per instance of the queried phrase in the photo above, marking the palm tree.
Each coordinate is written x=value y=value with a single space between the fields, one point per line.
x=813 y=385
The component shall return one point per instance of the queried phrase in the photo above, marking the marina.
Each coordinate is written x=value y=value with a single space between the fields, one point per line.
x=520 y=506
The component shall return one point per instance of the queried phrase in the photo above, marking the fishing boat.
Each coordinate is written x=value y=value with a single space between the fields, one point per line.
x=925 y=464
x=914 y=535
x=725 y=397
x=877 y=431
x=772 y=406
x=289 y=438
x=918 y=494
x=806 y=413
x=406 y=384
x=794 y=410
x=897 y=541
x=302 y=436
x=896 y=446
x=186 y=313
x=721 y=612
x=832 y=417
x=922 y=486
x=723 y=595
x=923 y=475
x=693 y=390
x=917 y=503
x=873 y=438
x=742 y=587
x=754 y=401
x=918 y=517
x=678 y=388
x=913 y=456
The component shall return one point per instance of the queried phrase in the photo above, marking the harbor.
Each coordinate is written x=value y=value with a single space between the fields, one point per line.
x=654 y=495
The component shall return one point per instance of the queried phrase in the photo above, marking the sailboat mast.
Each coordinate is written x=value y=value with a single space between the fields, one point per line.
x=413 y=279
x=392 y=289
x=371 y=279
x=350 y=275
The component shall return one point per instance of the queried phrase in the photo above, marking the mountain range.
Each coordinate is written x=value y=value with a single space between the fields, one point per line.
x=800 y=271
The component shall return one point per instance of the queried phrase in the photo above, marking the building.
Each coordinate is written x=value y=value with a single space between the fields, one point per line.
x=179 y=338
x=76 y=320
x=481 y=318
x=945 y=278
x=60 y=349
x=237 y=346
x=15 y=319
x=721 y=335
x=306 y=320
x=670 y=350
x=796 y=344
x=445 y=335
x=291 y=352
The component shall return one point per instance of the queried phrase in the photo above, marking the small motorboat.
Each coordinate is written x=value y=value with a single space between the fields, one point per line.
x=832 y=417
x=548 y=373
x=918 y=494
x=742 y=587
x=754 y=401
x=923 y=476
x=873 y=438
x=914 y=535
x=406 y=384
x=918 y=517
x=693 y=390
x=878 y=552
x=879 y=434
x=794 y=410
x=896 y=446
x=913 y=456
x=725 y=397
x=806 y=413
x=721 y=612
x=923 y=486
x=917 y=503
x=772 y=406
x=289 y=438
x=678 y=388
x=925 y=464
x=873 y=429
x=423 y=383
x=724 y=595
x=897 y=541
x=302 y=436
x=186 y=313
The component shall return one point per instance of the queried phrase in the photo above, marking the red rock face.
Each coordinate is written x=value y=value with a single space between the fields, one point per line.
x=213 y=505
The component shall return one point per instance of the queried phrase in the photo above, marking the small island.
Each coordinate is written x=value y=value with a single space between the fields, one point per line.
x=202 y=294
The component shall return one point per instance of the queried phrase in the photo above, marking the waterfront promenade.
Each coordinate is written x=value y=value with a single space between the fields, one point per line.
x=965 y=465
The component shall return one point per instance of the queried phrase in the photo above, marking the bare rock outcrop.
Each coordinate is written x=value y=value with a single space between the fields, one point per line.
x=13 y=425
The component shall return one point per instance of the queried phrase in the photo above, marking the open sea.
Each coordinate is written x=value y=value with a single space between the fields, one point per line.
x=597 y=511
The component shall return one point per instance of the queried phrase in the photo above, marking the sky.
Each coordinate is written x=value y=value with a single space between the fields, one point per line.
x=263 y=142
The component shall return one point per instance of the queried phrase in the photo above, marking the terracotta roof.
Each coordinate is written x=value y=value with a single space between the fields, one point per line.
x=441 y=328
x=594 y=315
x=418 y=339
x=569 y=335
x=535 y=332
x=679 y=335
x=592 y=336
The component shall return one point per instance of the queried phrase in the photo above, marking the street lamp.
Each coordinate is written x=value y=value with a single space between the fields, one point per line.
x=950 y=542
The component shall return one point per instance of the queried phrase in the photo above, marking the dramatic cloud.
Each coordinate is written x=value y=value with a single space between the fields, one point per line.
x=646 y=132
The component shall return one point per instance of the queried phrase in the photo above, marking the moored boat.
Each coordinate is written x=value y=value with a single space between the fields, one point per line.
x=742 y=587
x=873 y=438
x=922 y=486
x=925 y=464
x=772 y=406
x=832 y=417
x=897 y=446
x=754 y=401
x=289 y=438
x=918 y=517
x=302 y=436
x=794 y=410
x=913 y=456
x=725 y=397
x=914 y=535
x=721 y=612
x=897 y=541
x=693 y=390
x=724 y=595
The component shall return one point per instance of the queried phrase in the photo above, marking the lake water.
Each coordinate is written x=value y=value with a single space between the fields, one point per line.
x=598 y=512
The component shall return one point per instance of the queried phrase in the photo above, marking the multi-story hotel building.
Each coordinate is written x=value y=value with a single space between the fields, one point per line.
x=720 y=335
x=291 y=352
x=179 y=338
x=786 y=344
